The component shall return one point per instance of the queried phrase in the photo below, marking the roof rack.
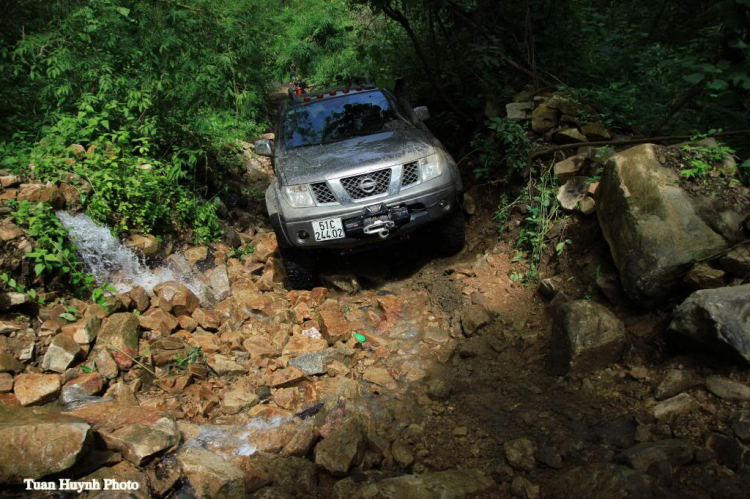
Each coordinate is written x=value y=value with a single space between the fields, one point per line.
x=356 y=83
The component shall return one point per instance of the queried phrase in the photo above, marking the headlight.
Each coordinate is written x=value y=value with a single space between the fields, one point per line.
x=299 y=196
x=430 y=167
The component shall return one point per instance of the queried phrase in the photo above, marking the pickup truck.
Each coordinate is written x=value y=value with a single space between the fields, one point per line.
x=356 y=169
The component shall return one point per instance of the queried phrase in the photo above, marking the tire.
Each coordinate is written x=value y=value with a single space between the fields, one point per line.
x=449 y=235
x=300 y=268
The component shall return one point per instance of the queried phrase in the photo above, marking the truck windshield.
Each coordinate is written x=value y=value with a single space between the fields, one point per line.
x=336 y=119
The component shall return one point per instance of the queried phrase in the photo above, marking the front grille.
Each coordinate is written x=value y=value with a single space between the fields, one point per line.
x=410 y=175
x=322 y=192
x=381 y=178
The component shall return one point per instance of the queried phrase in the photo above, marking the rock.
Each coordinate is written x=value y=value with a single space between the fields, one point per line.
x=36 y=389
x=6 y=382
x=604 y=480
x=378 y=375
x=573 y=192
x=585 y=337
x=740 y=422
x=568 y=136
x=218 y=279
x=653 y=229
x=313 y=363
x=737 y=261
x=196 y=254
x=703 y=276
x=10 y=231
x=105 y=364
x=302 y=441
x=567 y=168
x=596 y=132
x=474 y=318
x=37 y=443
x=345 y=283
x=119 y=336
x=450 y=484
x=402 y=453
x=207 y=319
x=587 y=205
x=237 y=400
x=225 y=366
x=343 y=448
x=211 y=476
x=728 y=450
x=679 y=404
x=521 y=487
x=519 y=110
x=333 y=325
x=177 y=297
x=157 y=319
x=716 y=319
x=12 y=299
x=7 y=327
x=286 y=376
x=675 y=382
x=265 y=245
x=138 y=433
x=469 y=205
x=640 y=457
x=83 y=331
x=147 y=244
x=8 y=181
x=520 y=454
x=544 y=118
x=474 y=347
x=61 y=353
x=438 y=389
x=140 y=298
x=89 y=383
x=727 y=389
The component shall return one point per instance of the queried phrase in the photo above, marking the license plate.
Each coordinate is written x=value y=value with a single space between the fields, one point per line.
x=328 y=229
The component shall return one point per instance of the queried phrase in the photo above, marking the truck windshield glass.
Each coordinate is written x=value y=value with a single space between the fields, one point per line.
x=336 y=119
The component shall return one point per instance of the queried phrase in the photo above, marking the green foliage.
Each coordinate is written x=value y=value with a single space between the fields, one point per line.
x=706 y=160
x=502 y=151
x=193 y=356
x=53 y=252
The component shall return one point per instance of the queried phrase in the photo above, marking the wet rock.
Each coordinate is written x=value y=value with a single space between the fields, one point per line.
x=225 y=366
x=140 y=298
x=603 y=480
x=157 y=319
x=450 y=484
x=703 y=276
x=210 y=475
x=676 y=452
x=675 y=382
x=38 y=443
x=737 y=261
x=196 y=254
x=147 y=244
x=176 y=298
x=653 y=229
x=343 y=448
x=61 y=353
x=727 y=450
x=36 y=389
x=138 y=433
x=566 y=169
x=523 y=488
x=740 y=423
x=585 y=337
x=715 y=318
x=89 y=383
x=218 y=279
x=302 y=441
x=727 y=389
x=474 y=318
x=119 y=335
x=520 y=454
x=573 y=192
x=679 y=404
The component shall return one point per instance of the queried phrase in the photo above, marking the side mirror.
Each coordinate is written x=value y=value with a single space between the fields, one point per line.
x=422 y=113
x=263 y=148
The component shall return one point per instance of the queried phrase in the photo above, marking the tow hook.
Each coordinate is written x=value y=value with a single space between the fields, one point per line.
x=381 y=228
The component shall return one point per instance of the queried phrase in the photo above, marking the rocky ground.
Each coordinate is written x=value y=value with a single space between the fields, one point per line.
x=405 y=375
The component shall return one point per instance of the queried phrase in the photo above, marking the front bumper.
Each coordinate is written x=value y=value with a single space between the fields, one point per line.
x=422 y=207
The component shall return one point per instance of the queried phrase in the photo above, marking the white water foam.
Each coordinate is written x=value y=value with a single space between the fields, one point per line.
x=111 y=262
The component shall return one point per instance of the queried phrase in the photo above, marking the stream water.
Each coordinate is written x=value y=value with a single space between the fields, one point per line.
x=111 y=262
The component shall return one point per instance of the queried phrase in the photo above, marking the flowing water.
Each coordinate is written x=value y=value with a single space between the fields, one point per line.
x=111 y=262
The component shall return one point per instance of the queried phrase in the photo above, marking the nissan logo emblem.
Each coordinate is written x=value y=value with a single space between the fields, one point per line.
x=367 y=185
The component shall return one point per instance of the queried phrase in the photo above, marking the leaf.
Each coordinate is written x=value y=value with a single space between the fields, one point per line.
x=693 y=78
x=68 y=317
x=718 y=85
x=39 y=268
x=360 y=337
x=86 y=369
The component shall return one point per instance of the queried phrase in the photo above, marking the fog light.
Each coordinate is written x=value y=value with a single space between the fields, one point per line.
x=303 y=235
x=445 y=204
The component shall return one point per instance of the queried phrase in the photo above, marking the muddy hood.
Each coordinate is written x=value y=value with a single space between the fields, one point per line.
x=318 y=163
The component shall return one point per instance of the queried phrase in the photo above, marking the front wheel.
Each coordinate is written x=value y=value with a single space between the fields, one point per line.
x=300 y=268
x=449 y=234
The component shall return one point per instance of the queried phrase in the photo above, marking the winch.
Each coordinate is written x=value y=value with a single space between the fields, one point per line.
x=377 y=219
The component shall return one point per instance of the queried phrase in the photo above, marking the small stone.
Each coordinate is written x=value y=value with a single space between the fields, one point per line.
x=343 y=448
x=523 y=488
x=9 y=231
x=438 y=389
x=460 y=431
x=587 y=205
x=207 y=319
x=703 y=276
x=573 y=192
x=740 y=423
x=210 y=475
x=61 y=353
x=520 y=454
x=286 y=377
x=474 y=318
x=196 y=254
x=675 y=382
x=237 y=400
x=568 y=168
x=140 y=298
x=36 y=389
x=313 y=363
x=378 y=375
x=148 y=244
x=549 y=457
x=333 y=325
x=643 y=456
x=119 y=334
x=547 y=288
x=83 y=331
x=679 y=404
x=737 y=261
x=177 y=297
x=6 y=382
x=728 y=451
x=225 y=366
x=8 y=363
x=727 y=389
x=568 y=136
x=302 y=441
x=402 y=453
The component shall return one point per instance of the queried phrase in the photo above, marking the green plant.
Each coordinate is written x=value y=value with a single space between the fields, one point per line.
x=503 y=151
x=706 y=160
x=248 y=249
x=193 y=356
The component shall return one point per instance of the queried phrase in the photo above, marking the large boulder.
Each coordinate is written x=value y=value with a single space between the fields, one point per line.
x=718 y=319
x=585 y=337
x=654 y=229
x=37 y=443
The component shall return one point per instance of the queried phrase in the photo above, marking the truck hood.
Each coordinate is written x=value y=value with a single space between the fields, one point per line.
x=323 y=162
